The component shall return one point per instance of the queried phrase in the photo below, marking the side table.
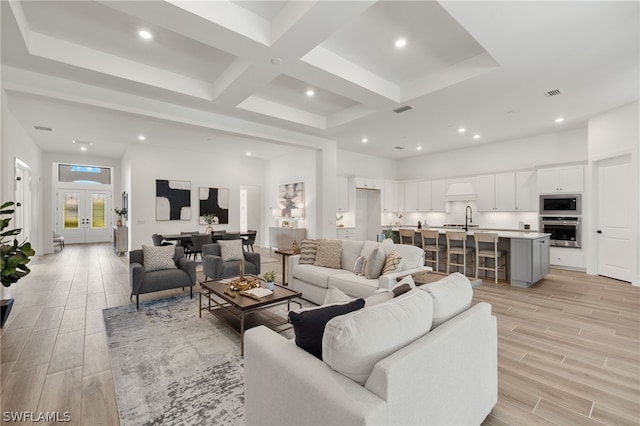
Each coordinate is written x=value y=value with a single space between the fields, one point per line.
x=285 y=256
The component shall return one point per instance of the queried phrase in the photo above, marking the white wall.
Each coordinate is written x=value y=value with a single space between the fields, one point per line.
x=612 y=134
x=518 y=154
x=202 y=169
x=352 y=163
x=299 y=166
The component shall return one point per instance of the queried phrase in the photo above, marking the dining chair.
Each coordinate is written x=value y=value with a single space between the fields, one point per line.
x=249 y=240
x=186 y=243
x=197 y=241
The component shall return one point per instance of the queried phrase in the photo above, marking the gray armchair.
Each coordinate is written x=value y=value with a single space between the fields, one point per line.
x=147 y=282
x=214 y=268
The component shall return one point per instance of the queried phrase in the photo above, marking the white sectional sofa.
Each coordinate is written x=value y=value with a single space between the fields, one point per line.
x=423 y=358
x=314 y=281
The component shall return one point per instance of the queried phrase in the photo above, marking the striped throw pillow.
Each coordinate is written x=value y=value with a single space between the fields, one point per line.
x=308 y=251
x=392 y=264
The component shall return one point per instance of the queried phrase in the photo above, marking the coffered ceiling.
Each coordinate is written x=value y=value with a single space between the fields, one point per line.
x=238 y=71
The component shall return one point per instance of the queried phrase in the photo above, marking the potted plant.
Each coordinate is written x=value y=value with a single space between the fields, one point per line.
x=120 y=212
x=270 y=277
x=210 y=219
x=14 y=257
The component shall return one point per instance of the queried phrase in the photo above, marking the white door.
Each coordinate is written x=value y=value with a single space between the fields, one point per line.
x=22 y=201
x=84 y=216
x=616 y=250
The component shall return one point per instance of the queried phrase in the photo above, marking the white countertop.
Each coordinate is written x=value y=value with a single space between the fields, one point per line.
x=516 y=234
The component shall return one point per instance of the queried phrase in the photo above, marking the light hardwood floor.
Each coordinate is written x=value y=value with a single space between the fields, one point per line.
x=568 y=348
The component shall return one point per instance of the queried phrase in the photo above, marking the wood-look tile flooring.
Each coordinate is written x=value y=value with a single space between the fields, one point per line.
x=569 y=347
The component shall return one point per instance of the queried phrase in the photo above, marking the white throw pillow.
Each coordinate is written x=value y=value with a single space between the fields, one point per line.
x=353 y=343
x=335 y=295
x=451 y=296
x=231 y=250
x=156 y=258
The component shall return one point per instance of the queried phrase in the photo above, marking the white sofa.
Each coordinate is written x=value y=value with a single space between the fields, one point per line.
x=445 y=376
x=314 y=281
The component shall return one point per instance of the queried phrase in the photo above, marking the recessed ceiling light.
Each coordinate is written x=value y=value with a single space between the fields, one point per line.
x=365 y=140
x=145 y=34
x=419 y=148
x=83 y=148
x=248 y=153
x=401 y=42
x=559 y=120
x=141 y=137
x=476 y=136
x=310 y=92
x=462 y=130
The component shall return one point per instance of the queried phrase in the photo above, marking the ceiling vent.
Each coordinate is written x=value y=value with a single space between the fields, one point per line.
x=554 y=92
x=43 y=128
x=402 y=109
x=398 y=147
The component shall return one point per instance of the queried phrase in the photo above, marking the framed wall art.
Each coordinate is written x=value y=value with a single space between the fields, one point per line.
x=216 y=201
x=292 y=199
x=173 y=199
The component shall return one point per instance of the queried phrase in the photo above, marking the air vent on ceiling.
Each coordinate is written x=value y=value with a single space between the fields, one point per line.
x=398 y=147
x=43 y=128
x=554 y=92
x=402 y=109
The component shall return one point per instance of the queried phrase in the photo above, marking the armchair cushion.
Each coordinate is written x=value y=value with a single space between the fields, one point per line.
x=231 y=250
x=158 y=257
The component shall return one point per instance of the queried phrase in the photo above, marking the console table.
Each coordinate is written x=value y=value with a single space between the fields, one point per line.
x=120 y=239
x=282 y=238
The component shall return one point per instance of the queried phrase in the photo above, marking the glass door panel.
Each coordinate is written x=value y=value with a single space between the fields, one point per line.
x=83 y=215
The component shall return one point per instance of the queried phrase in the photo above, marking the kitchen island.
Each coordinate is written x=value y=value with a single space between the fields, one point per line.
x=527 y=251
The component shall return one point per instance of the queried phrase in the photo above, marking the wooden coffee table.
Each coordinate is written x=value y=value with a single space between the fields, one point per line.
x=241 y=313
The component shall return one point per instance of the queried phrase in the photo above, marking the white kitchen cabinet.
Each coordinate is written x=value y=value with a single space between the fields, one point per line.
x=400 y=191
x=496 y=192
x=390 y=197
x=342 y=194
x=346 y=233
x=411 y=196
x=424 y=195
x=529 y=260
x=526 y=191
x=367 y=183
x=431 y=195
x=561 y=179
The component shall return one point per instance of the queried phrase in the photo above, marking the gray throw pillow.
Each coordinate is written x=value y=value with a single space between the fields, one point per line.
x=158 y=257
x=231 y=250
x=374 y=264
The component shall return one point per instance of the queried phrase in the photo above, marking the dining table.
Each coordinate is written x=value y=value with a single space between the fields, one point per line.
x=186 y=238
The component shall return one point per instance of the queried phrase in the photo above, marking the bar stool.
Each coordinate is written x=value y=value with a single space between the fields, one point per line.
x=487 y=248
x=431 y=247
x=407 y=236
x=457 y=246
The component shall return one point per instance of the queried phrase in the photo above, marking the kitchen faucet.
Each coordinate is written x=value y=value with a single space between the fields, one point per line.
x=468 y=217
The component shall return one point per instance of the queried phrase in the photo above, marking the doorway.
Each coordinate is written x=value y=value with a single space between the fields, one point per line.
x=83 y=215
x=615 y=202
x=250 y=202
x=22 y=215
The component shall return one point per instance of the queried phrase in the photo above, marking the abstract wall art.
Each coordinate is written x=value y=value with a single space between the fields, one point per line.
x=216 y=201
x=292 y=199
x=173 y=199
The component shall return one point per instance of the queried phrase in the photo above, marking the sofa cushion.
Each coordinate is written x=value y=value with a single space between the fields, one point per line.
x=354 y=285
x=380 y=296
x=350 y=252
x=355 y=342
x=451 y=296
x=359 y=265
x=157 y=258
x=231 y=250
x=316 y=275
x=309 y=325
x=375 y=263
x=308 y=251
x=392 y=263
x=329 y=254
x=368 y=247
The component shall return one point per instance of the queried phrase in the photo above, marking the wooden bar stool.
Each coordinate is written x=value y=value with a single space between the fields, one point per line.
x=487 y=248
x=431 y=247
x=407 y=236
x=457 y=246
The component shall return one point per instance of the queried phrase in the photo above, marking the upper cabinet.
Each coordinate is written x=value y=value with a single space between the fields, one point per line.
x=561 y=179
x=342 y=194
x=496 y=192
x=410 y=196
x=431 y=195
x=390 y=197
x=367 y=183
x=526 y=191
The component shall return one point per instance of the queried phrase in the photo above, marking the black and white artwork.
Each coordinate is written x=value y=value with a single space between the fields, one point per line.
x=216 y=201
x=173 y=199
x=292 y=199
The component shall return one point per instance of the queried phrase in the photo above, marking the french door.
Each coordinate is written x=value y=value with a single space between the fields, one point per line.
x=84 y=215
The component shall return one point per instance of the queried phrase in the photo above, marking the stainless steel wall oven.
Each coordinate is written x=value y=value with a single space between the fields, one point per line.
x=566 y=231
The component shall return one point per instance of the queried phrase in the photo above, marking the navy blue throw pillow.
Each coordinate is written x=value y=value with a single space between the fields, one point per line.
x=309 y=325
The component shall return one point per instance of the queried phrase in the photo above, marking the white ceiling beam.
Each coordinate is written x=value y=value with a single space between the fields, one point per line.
x=283 y=112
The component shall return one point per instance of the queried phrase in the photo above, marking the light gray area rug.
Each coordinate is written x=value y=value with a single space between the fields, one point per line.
x=171 y=367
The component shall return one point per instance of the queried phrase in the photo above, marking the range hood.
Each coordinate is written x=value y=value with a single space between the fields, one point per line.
x=463 y=191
